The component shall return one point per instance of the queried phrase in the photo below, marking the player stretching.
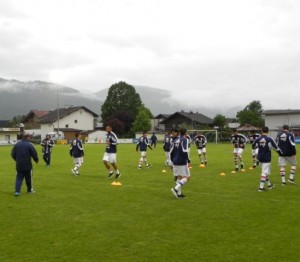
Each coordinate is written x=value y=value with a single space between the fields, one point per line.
x=252 y=137
x=238 y=141
x=200 y=142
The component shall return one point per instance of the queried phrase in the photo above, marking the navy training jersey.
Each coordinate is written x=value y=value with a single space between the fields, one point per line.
x=76 y=149
x=111 y=142
x=167 y=143
x=142 y=144
x=286 y=142
x=238 y=140
x=253 y=137
x=200 y=141
x=179 y=151
x=265 y=144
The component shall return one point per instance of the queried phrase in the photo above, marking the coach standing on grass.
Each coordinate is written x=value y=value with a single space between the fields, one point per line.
x=22 y=153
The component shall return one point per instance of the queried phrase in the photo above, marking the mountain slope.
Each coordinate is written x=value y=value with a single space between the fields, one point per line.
x=19 y=98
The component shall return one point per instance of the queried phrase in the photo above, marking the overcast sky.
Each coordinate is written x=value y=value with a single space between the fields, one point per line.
x=210 y=53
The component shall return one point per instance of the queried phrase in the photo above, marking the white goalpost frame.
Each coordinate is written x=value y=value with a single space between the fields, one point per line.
x=205 y=131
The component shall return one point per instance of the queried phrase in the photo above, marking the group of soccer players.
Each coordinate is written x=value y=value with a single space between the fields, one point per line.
x=262 y=144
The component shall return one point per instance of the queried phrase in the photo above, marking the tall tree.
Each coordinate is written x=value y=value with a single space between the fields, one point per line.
x=251 y=114
x=143 y=120
x=220 y=121
x=120 y=97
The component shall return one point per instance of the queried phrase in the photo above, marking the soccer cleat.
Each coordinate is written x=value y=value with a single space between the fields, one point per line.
x=271 y=186
x=175 y=192
x=182 y=196
x=148 y=166
x=292 y=181
x=139 y=167
x=261 y=190
x=73 y=171
x=283 y=183
x=17 y=193
x=118 y=175
x=110 y=175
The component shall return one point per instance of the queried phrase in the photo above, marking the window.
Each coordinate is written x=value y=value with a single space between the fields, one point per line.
x=75 y=121
x=67 y=126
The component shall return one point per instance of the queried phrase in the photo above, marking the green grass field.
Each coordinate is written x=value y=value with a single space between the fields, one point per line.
x=85 y=218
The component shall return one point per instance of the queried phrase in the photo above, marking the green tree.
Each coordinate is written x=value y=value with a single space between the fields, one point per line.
x=220 y=121
x=120 y=97
x=143 y=120
x=251 y=114
x=16 y=121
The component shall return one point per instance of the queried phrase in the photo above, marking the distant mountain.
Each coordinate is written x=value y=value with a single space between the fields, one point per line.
x=19 y=98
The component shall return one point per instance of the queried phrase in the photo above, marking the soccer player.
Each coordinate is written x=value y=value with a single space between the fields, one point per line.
x=264 y=144
x=286 y=142
x=200 y=141
x=110 y=155
x=189 y=139
x=142 y=145
x=76 y=151
x=180 y=159
x=167 y=147
x=153 y=140
x=47 y=145
x=22 y=153
x=238 y=141
x=252 y=137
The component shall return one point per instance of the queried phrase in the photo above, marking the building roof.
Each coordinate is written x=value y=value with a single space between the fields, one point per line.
x=194 y=117
x=37 y=113
x=159 y=116
x=281 y=112
x=62 y=112
x=248 y=127
x=3 y=123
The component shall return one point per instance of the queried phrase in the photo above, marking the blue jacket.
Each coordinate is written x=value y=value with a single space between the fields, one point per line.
x=22 y=153
x=264 y=144
x=76 y=149
x=179 y=151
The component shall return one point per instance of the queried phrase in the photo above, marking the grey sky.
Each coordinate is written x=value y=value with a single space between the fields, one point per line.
x=215 y=54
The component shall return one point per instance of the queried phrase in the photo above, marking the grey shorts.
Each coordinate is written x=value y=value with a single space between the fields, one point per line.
x=181 y=171
x=283 y=160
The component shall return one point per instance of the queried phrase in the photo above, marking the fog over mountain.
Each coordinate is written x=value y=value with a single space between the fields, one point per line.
x=19 y=98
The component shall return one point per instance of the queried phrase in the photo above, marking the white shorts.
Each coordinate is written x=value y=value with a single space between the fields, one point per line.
x=202 y=150
x=143 y=153
x=238 y=151
x=283 y=160
x=110 y=157
x=78 y=160
x=254 y=152
x=266 y=168
x=181 y=171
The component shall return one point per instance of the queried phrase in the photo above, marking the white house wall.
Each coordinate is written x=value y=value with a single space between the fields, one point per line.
x=80 y=119
x=275 y=122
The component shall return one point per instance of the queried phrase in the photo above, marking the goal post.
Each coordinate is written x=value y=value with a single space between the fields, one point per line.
x=210 y=134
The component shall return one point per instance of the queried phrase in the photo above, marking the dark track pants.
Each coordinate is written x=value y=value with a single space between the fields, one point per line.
x=27 y=174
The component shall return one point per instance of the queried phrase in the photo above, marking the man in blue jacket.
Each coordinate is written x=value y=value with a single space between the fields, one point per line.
x=22 y=153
